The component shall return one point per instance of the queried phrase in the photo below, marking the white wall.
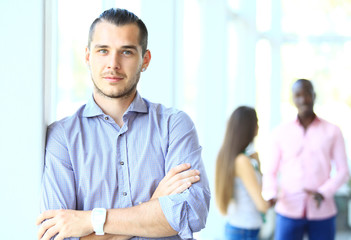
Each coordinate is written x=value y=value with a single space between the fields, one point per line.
x=21 y=128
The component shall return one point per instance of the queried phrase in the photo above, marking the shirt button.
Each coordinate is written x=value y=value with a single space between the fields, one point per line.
x=106 y=118
x=124 y=194
x=122 y=163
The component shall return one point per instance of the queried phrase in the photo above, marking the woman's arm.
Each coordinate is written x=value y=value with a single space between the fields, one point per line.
x=245 y=171
x=256 y=157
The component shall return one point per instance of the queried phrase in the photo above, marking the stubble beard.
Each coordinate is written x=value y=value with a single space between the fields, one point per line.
x=125 y=93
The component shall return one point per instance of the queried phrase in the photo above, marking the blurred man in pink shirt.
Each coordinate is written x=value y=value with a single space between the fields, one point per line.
x=298 y=175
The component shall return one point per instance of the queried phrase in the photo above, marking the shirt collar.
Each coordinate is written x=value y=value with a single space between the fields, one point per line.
x=315 y=120
x=138 y=105
x=92 y=109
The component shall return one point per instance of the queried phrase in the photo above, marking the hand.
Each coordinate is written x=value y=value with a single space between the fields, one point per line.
x=272 y=202
x=316 y=196
x=64 y=223
x=177 y=180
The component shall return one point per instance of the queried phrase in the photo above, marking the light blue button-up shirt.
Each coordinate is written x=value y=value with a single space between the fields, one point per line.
x=91 y=162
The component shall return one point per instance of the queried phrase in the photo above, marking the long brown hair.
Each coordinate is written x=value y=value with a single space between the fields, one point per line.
x=241 y=130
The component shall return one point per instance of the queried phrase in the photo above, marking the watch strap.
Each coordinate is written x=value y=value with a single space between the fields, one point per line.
x=98 y=218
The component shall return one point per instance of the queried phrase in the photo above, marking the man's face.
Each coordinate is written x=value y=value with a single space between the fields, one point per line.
x=115 y=59
x=303 y=97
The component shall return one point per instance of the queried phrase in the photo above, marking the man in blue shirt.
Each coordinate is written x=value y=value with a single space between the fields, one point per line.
x=105 y=166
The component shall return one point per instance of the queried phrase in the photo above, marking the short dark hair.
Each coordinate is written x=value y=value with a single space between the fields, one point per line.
x=120 y=17
x=305 y=82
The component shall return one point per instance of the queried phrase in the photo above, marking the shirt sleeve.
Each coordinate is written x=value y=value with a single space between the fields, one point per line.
x=270 y=171
x=186 y=212
x=338 y=155
x=58 y=184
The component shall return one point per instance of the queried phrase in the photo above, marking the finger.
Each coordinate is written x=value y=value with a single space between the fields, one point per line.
x=44 y=227
x=177 y=169
x=272 y=201
x=189 y=173
x=173 y=188
x=309 y=191
x=318 y=195
x=195 y=179
x=45 y=215
x=50 y=233
x=185 y=184
x=192 y=179
x=181 y=188
x=180 y=178
x=318 y=200
x=184 y=175
x=59 y=237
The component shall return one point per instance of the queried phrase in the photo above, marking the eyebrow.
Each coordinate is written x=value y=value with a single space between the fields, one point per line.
x=130 y=47
x=101 y=46
x=124 y=47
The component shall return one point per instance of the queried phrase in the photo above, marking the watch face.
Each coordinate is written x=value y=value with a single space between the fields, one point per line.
x=100 y=217
x=99 y=214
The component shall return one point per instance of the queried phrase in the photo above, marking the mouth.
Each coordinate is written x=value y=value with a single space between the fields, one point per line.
x=113 y=79
x=305 y=106
x=305 y=109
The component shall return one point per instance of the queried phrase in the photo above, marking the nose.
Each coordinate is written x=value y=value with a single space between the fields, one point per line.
x=302 y=100
x=114 y=62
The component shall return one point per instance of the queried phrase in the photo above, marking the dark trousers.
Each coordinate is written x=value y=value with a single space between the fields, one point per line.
x=294 y=229
x=235 y=233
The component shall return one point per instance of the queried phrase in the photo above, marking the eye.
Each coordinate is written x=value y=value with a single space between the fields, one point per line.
x=127 y=52
x=103 y=51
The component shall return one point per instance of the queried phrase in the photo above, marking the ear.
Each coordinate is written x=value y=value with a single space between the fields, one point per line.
x=256 y=132
x=146 y=59
x=87 y=56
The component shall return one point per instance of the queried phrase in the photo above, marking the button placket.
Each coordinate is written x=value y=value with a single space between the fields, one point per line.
x=125 y=190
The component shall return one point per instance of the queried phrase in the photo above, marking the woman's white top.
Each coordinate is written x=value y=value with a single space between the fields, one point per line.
x=242 y=211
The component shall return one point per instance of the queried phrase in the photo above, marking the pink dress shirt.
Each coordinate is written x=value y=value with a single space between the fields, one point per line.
x=302 y=159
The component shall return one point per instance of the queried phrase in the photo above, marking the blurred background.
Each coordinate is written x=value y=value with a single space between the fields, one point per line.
x=208 y=57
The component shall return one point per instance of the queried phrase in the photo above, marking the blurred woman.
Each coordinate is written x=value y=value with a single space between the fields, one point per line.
x=238 y=177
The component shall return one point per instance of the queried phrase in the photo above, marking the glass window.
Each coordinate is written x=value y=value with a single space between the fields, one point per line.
x=73 y=79
x=313 y=42
x=191 y=47
x=316 y=17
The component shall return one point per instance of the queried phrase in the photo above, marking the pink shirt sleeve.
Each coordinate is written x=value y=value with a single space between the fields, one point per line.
x=339 y=158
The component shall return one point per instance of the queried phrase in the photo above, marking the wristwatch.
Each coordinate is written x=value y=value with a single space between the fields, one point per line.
x=98 y=218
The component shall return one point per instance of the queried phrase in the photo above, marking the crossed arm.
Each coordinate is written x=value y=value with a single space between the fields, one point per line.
x=146 y=219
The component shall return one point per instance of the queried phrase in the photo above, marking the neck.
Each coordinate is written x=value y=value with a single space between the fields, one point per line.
x=306 y=120
x=114 y=107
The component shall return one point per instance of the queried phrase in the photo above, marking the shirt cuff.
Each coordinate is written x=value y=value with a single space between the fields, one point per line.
x=268 y=195
x=176 y=211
